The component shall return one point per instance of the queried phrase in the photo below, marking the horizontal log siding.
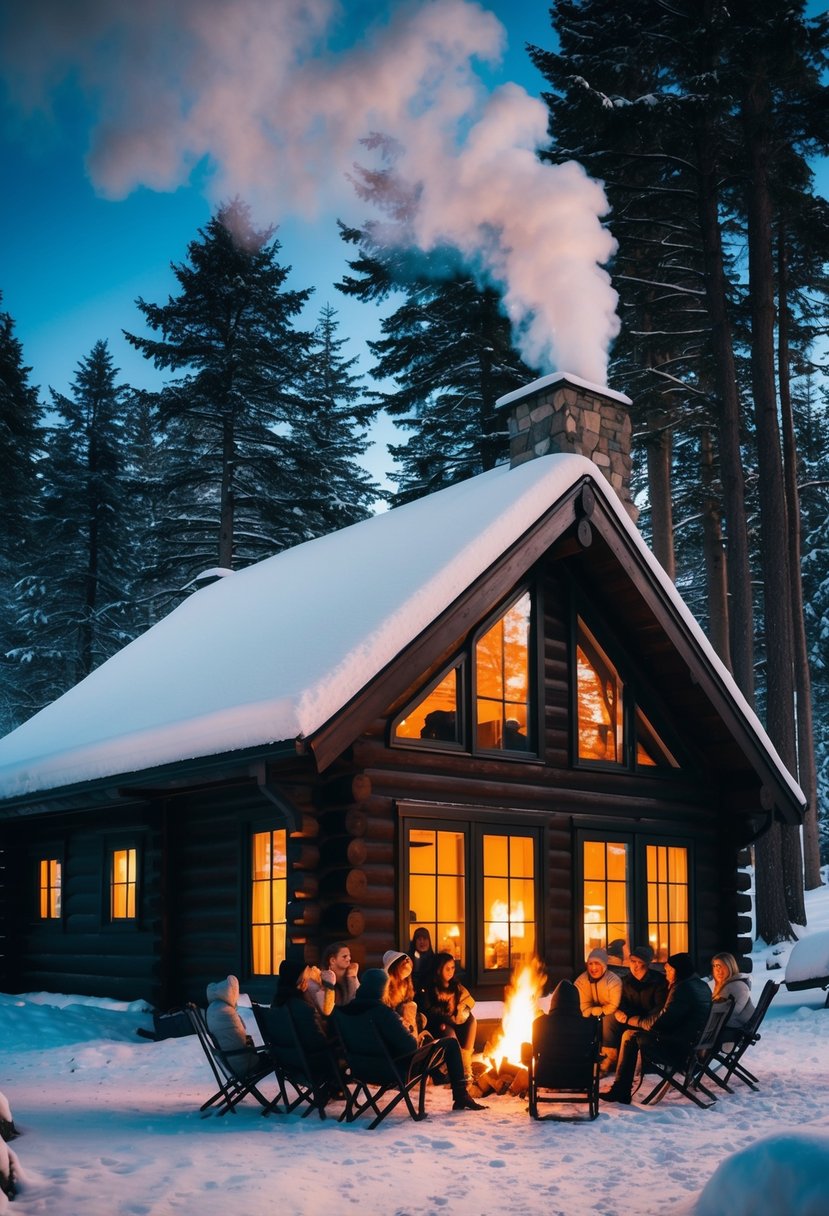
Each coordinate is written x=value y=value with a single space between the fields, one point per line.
x=85 y=953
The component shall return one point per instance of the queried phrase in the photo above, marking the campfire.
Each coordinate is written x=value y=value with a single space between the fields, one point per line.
x=500 y=1069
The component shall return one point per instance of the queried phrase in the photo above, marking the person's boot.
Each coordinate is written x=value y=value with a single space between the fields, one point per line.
x=609 y=1057
x=463 y=1100
x=616 y=1094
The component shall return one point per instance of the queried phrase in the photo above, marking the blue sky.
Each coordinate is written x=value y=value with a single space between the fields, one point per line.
x=86 y=119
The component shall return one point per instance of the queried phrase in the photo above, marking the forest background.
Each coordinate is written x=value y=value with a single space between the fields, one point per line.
x=475 y=250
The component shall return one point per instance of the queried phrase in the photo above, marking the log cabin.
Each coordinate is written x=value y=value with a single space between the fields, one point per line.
x=487 y=712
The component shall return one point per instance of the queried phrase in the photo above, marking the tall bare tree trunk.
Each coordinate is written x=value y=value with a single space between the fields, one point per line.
x=741 y=611
x=659 y=447
x=803 y=681
x=714 y=552
x=756 y=115
x=227 y=506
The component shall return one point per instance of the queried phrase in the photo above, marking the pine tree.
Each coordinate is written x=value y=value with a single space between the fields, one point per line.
x=226 y=417
x=72 y=605
x=334 y=490
x=21 y=439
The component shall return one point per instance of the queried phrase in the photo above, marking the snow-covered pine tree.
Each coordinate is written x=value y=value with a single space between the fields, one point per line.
x=238 y=360
x=21 y=439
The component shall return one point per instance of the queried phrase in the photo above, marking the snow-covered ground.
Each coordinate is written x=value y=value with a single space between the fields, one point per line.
x=110 y=1125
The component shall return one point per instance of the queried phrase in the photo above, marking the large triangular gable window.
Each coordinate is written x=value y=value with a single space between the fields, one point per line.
x=492 y=712
x=610 y=727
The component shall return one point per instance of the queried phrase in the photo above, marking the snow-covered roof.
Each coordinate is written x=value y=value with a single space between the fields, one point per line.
x=273 y=651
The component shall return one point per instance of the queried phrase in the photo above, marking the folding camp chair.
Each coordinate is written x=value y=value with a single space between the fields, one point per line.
x=232 y=1088
x=564 y=1060
x=302 y=1058
x=726 y=1060
x=375 y=1075
x=685 y=1075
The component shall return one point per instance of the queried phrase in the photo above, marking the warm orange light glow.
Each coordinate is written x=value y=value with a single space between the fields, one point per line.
x=520 y=1011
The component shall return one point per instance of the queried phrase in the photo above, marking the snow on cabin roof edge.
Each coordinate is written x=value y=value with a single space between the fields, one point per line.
x=302 y=686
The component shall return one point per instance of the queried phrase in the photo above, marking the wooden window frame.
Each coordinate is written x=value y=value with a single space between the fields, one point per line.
x=253 y=829
x=474 y=823
x=113 y=845
x=638 y=842
x=636 y=695
x=49 y=854
x=464 y=662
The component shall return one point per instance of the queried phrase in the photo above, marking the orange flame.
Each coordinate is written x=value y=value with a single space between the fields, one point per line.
x=520 y=1011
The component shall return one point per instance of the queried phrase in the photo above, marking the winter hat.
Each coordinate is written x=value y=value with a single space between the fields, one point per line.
x=391 y=957
x=683 y=965
x=289 y=973
x=616 y=948
x=373 y=984
x=224 y=990
x=565 y=998
x=601 y=955
x=644 y=953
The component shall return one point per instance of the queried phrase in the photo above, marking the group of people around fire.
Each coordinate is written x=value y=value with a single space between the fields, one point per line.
x=419 y=1004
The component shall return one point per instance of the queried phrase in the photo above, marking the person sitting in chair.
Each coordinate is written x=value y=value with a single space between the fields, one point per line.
x=667 y=1033
x=401 y=1044
x=730 y=981
x=447 y=1006
x=644 y=991
x=338 y=972
x=600 y=991
x=228 y=1029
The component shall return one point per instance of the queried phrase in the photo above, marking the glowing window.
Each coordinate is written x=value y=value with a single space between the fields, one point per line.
x=435 y=718
x=123 y=884
x=437 y=887
x=50 y=888
x=667 y=899
x=599 y=702
x=509 y=901
x=502 y=681
x=607 y=892
x=269 y=893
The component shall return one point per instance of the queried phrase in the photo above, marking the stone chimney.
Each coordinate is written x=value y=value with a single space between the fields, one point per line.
x=561 y=413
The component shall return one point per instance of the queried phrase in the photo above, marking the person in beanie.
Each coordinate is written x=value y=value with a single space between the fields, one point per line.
x=400 y=994
x=401 y=1043
x=644 y=991
x=668 y=1032
x=600 y=991
x=301 y=984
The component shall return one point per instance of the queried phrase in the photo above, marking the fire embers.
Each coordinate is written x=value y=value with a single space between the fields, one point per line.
x=502 y=1078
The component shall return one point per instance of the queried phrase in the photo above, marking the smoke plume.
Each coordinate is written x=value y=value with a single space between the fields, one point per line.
x=270 y=100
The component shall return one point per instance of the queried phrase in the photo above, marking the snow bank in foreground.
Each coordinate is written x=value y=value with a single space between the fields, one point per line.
x=785 y=1175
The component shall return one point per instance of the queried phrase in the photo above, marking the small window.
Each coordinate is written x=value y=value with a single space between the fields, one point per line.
x=435 y=719
x=123 y=884
x=502 y=681
x=509 y=901
x=50 y=888
x=600 y=707
x=269 y=893
x=668 y=904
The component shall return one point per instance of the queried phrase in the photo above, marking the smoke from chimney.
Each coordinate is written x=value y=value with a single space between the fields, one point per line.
x=275 y=98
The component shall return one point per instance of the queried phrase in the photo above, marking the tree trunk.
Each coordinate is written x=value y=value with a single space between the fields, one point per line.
x=659 y=447
x=715 y=565
x=807 y=767
x=756 y=114
x=772 y=916
x=741 y=614
x=226 y=522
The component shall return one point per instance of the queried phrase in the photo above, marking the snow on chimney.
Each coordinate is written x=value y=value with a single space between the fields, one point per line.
x=561 y=413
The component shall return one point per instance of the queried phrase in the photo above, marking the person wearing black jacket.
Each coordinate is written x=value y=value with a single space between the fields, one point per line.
x=644 y=991
x=402 y=1044
x=668 y=1032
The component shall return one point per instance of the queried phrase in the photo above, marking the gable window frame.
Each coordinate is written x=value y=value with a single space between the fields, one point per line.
x=637 y=699
x=639 y=881
x=463 y=662
x=474 y=823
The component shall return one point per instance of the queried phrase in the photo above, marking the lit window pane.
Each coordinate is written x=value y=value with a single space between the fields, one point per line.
x=422 y=851
x=423 y=900
x=594 y=859
x=268 y=900
x=435 y=717
x=599 y=699
x=668 y=904
x=123 y=878
x=521 y=857
x=437 y=886
x=496 y=854
x=502 y=681
x=509 y=901
x=450 y=852
x=450 y=897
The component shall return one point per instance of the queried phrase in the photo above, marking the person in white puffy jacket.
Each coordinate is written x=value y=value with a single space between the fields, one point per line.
x=227 y=1027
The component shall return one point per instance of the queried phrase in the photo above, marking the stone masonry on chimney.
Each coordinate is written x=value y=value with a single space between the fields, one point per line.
x=561 y=413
